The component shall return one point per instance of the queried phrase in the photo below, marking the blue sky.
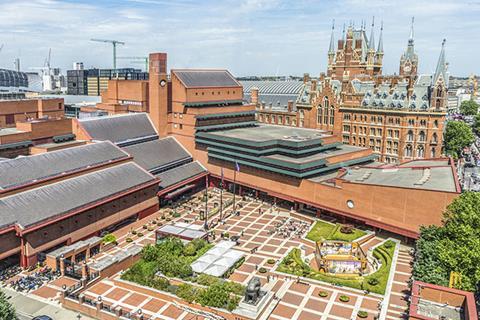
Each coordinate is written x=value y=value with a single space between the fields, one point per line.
x=249 y=37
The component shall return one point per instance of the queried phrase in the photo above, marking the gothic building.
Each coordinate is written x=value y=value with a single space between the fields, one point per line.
x=400 y=117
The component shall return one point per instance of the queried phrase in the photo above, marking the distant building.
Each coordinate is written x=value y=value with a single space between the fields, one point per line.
x=400 y=117
x=93 y=82
x=13 y=81
x=77 y=66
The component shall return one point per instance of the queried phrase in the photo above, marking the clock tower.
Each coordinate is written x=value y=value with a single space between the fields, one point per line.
x=409 y=59
x=158 y=92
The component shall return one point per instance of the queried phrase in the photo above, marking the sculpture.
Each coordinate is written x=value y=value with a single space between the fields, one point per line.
x=252 y=293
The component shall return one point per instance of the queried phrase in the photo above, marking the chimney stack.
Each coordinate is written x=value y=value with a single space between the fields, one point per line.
x=290 y=106
x=306 y=77
x=254 y=95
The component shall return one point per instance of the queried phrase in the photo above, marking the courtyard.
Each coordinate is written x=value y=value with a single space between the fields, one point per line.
x=266 y=234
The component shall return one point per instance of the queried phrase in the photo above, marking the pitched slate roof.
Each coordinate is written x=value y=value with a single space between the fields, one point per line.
x=179 y=174
x=206 y=78
x=157 y=155
x=36 y=205
x=122 y=129
x=24 y=170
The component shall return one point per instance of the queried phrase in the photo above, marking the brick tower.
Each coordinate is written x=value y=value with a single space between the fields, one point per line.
x=158 y=92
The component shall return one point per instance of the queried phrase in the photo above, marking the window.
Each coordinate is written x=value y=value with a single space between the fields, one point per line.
x=346 y=128
x=319 y=114
x=389 y=133
x=420 y=152
x=325 y=110
x=379 y=132
x=280 y=120
x=411 y=122
x=380 y=119
x=435 y=124
x=423 y=123
x=397 y=133
x=10 y=119
x=397 y=120
x=408 y=150
x=332 y=115
x=372 y=131
x=395 y=147
x=287 y=120
x=181 y=126
x=432 y=153
x=421 y=136
x=434 y=138
x=410 y=135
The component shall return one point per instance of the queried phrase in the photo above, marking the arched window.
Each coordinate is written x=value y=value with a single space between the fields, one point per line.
x=432 y=153
x=408 y=150
x=410 y=135
x=325 y=110
x=439 y=92
x=434 y=137
x=421 y=136
x=420 y=152
x=332 y=115
x=319 y=114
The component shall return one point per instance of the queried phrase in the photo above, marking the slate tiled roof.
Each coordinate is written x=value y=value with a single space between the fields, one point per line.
x=179 y=174
x=23 y=170
x=206 y=78
x=36 y=205
x=122 y=129
x=156 y=155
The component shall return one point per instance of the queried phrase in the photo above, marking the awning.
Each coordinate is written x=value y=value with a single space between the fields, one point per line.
x=179 y=191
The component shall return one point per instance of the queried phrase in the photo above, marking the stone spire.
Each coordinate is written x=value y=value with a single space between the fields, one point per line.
x=371 y=44
x=343 y=33
x=380 y=40
x=441 y=70
x=410 y=39
x=331 y=48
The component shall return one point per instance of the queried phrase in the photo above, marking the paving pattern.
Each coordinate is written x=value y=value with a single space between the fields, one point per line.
x=255 y=225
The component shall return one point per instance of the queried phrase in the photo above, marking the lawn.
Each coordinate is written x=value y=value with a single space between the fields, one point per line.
x=293 y=264
x=327 y=231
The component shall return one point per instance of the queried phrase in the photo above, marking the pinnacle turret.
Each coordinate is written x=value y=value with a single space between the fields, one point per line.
x=371 y=44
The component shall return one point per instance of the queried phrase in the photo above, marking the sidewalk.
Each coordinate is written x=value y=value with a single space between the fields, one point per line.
x=28 y=307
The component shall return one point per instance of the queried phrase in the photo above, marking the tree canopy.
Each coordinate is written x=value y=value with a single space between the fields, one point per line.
x=476 y=124
x=452 y=247
x=469 y=108
x=6 y=309
x=457 y=136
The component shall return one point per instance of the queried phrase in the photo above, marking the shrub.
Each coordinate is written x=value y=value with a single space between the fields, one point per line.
x=150 y=229
x=262 y=270
x=226 y=235
x=189 y=250
x=109 y=237
x=362 y=314
x=145 y=226
x=139 y=234
x=271 y=261
x=373 y=281
x=187 y=292
x=323 y=294
x=176 y=214
x=168 y=219
x=344 y=298
x=128 y=240
x=389 y=244
x=347 y=229
x=154 y=222
x=134 y=232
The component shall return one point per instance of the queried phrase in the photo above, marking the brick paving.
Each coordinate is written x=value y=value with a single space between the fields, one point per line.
x=295 y=300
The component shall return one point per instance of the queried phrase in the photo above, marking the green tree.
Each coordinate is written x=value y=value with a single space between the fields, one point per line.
x=469 y=108
x=457 y=136
x=452 y=247
x=476 y=124
x=6 y=309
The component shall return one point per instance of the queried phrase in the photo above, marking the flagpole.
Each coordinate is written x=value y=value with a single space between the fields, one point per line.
x=221 y=196
x=234 y=187
x=205 y=225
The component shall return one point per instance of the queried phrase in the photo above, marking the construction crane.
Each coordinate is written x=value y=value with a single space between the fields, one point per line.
x=114 y=44
x=142 y=60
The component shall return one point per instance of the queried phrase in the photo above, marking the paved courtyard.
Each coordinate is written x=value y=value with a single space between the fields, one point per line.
x=255 y=225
